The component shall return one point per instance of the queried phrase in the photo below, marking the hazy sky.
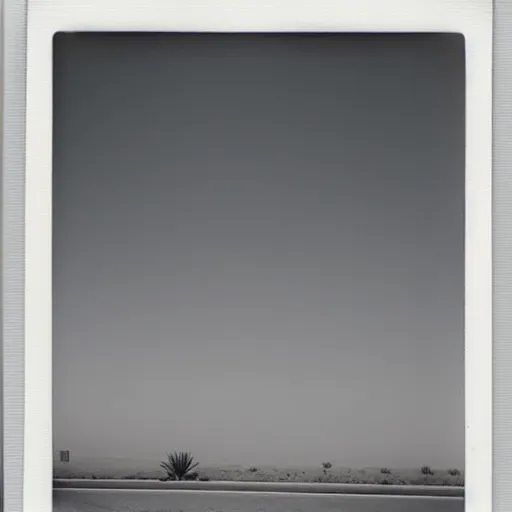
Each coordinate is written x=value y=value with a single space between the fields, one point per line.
x=258 y=248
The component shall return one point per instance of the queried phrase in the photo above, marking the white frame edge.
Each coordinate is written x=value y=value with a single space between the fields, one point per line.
x=472 y=18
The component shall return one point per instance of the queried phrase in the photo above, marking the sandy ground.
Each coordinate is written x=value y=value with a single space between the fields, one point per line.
x=124 y=468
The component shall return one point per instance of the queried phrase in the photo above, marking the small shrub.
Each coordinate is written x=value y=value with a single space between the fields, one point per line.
x=385 y=482
x=191 y=476
x=253 y=470
x=385 y=471
x=426 y=470
x=178 y=465
x=454 y=472
x=204 y=479
x=326 y=465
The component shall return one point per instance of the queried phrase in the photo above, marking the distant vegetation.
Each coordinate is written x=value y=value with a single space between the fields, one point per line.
x=426 y=470
x=182 y=466
x=179 y=466
x=326 y=465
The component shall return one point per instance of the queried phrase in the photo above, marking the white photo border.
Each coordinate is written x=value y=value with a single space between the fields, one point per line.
x=472 y=18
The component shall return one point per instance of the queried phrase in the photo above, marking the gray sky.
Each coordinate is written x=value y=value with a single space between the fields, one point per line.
x=258 y=248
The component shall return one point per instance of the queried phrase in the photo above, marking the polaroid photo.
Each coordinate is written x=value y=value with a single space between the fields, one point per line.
x=256 y=257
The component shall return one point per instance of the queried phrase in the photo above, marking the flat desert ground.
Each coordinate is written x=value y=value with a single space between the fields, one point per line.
x=94 y=468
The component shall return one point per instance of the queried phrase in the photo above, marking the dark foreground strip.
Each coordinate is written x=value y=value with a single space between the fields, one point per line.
x=282 y=487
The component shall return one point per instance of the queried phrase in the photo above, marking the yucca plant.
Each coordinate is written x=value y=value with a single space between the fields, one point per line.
x=178 y=465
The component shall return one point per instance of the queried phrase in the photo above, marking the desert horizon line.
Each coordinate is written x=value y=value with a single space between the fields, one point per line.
x=319 y=465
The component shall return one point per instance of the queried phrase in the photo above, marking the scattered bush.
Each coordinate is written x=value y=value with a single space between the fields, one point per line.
x=326 y=465
x=204 y=479
x=385 y=471
x=426 y=470
x=253 y=470
x=454 y=472
x=178 y=465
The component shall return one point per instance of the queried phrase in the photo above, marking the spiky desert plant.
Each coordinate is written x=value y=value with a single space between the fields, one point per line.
x=178 y=465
